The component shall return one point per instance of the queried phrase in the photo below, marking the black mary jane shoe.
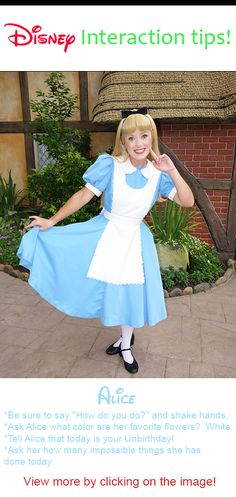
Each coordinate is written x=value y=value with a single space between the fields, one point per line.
x=130 y=367
x=112 y=350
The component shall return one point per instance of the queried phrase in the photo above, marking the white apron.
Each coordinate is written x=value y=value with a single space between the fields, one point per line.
x=118 y=256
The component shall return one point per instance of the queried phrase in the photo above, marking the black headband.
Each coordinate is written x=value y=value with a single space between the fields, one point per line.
x=125 y=113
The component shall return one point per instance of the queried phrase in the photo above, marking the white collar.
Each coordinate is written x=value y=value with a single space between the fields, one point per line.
x=148 y=171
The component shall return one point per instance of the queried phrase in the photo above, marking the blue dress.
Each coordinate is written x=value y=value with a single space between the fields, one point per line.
x=106 y=267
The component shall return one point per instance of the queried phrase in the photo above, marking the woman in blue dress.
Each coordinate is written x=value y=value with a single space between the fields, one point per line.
x=107 y=267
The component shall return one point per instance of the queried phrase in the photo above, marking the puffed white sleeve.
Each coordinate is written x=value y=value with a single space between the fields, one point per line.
x=99 y=174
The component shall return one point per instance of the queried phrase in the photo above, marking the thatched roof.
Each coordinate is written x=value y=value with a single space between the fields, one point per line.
x=168 y=95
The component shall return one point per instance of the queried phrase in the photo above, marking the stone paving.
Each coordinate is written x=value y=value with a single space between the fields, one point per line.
x=197 y=340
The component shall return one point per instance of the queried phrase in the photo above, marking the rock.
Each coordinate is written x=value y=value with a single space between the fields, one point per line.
x=166 y=294
x=9 y=269
x=176 y=292
x=231 y=263
x=201 y=287
x=17 y=273
x=14 y=273
x=188 y=290
x=1 y=267
x=24 y=276
x=228 y=273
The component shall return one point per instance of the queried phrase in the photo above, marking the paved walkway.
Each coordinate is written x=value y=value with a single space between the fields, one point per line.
x=198 y=340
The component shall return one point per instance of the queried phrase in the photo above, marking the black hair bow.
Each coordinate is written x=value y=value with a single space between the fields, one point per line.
x=125 y=113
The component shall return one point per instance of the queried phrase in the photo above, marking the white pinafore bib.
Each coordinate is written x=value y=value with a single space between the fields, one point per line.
x=118 y=256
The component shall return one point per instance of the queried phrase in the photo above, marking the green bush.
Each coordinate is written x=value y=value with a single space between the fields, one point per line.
x=205 y=266
x=11 y=232
x=53 y=185
x=57 y=103
x=205 y=263
x=52 y=108
x=174 y=277
x=59 y=139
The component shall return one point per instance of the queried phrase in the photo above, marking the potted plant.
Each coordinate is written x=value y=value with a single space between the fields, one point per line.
x=169 y=224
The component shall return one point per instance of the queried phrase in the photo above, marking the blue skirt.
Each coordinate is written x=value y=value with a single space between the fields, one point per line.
x=59 y=258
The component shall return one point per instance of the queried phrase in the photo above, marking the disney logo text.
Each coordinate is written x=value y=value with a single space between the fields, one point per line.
x=23 y=36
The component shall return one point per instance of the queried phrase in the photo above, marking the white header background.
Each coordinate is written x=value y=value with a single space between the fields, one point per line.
x=71 y=20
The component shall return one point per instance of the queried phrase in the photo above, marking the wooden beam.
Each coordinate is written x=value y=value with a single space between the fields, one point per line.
x=29 y=152
x=24 y=91
x=25 y=105
x=12 y=127
x=224 y=256
x=231 y=221
x=215 y=184
x=83 y=95
x=91 y=126
x=22 y=127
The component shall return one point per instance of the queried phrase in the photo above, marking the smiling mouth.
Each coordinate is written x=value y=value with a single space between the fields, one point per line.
x=140 y=151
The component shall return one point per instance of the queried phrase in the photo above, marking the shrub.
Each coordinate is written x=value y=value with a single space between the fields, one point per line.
x=53 y=185
x=10 y=237
x=205 y=263
x=52 y=109
x=205 y=266
x=174 y=277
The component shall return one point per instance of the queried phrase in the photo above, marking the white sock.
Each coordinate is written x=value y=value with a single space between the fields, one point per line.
x=117 y=343
x=126 y=339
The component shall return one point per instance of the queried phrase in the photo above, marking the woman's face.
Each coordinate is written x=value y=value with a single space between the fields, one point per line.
x=138 y=146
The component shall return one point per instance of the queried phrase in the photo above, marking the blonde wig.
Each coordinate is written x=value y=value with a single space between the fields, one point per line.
x=127 y=126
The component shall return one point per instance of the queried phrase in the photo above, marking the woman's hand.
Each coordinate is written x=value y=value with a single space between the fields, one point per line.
x=43 y=223
x=163 y=162
x=184 y=195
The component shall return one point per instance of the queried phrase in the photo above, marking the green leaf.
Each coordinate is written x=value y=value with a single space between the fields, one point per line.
x=170 y=222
